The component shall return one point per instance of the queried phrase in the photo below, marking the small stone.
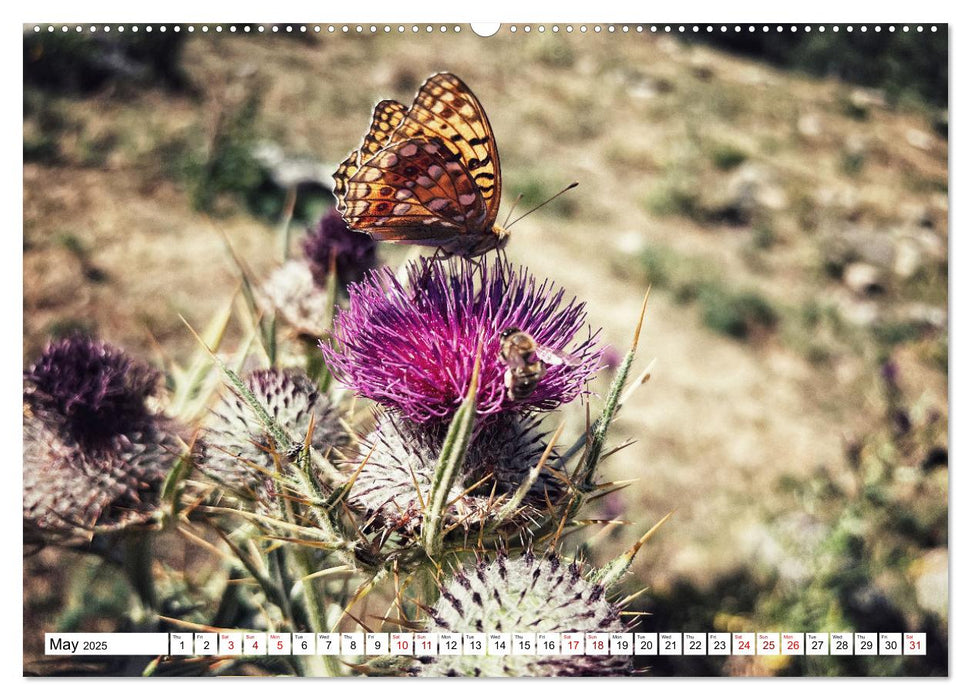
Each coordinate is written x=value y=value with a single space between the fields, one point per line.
x=809 y=125
x=643 y=88
x=701 y=68
x=837 y=197
x=932 y=316
x=876 y=249
x=920 y=139
x=863 y=313
x=931 y=585
x=855 y=144
x=773 y=197
x=750 y=189
x=856 y=244
x=863 y=279
x=932 y=245
x=864 y=98
x=908 y=258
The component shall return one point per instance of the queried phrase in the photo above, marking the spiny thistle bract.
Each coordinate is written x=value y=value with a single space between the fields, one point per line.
x=394 y=483
x=291 y=292
x=524 y=594
x=411 y=347
x=95 y=453
x=298 y=290
x=241 y=452
x=353 y=253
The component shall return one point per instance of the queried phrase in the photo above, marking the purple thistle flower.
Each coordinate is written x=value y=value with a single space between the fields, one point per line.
x=90 y=388
x=354 y=252
x=612 y=357
x=411 y=347
x=95 y=454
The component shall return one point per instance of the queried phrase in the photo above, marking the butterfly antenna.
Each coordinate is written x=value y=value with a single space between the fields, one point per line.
x=512 y=209
x=543 y=204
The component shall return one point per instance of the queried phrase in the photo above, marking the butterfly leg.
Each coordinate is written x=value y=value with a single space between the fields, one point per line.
x=478 y=261
x=439 y=254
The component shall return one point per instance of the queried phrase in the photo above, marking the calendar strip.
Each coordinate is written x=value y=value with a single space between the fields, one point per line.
x=361 y=644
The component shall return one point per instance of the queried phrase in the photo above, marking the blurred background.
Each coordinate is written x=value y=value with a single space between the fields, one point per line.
x=785 y=196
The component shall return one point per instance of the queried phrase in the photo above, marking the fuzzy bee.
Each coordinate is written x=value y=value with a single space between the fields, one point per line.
x=526 y=362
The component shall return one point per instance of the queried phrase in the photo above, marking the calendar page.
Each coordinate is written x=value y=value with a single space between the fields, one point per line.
x=511 y=350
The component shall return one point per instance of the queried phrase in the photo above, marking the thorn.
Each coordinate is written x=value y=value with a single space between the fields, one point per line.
x=196 y=336
x=359 y=622
x=647 y=535
x=551 y=445
x=640 y=321
x=311 y=425
x=633 y=596
x=414 y=482
x=357 y=472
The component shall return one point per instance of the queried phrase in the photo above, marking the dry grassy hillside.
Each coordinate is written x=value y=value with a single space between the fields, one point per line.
x=794 y=230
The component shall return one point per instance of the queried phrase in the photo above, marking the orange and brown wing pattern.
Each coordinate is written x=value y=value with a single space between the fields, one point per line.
x=445 y=108
x=387 y=116
x=415 y=191
x=428 y=174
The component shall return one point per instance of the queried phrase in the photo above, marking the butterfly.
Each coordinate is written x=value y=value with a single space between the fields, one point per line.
x=427 y=174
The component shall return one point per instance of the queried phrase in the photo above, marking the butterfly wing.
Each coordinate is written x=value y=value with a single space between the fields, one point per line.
x=446 y=109
x=415 y=191
x=387 y=116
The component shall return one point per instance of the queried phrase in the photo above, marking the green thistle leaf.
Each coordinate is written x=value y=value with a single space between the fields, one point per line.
x=450 y=464
x=586 y=471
